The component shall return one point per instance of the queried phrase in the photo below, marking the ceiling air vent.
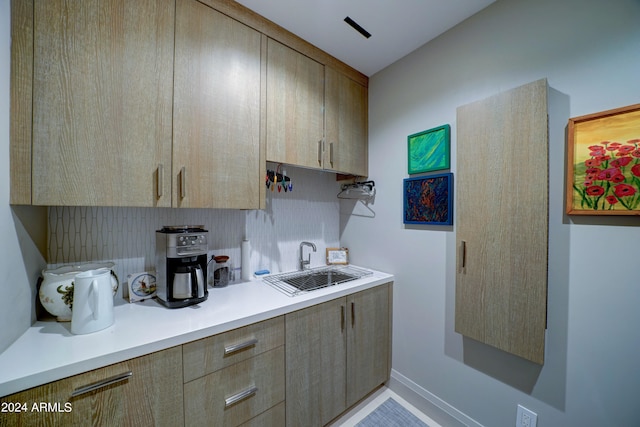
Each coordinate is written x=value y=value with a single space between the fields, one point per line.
x=357 y=27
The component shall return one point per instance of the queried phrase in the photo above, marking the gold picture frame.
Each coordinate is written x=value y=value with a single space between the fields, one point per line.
x=338 y=256
x=603 y=163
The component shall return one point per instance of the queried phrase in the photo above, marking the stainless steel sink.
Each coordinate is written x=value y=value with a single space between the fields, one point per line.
x=317 y=278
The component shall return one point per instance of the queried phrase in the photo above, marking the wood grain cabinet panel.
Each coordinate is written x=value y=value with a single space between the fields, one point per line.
x=208 y=399
x=346 y=124
x=337 y=353
x=295 y=107
x=502 y=220
x=217 y=159
x=102 y=102
x=152 y=396
x=210 y=354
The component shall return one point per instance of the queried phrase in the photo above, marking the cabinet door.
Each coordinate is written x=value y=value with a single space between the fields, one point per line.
x=216 y=118
x=152 y=396
x=502 y=220
x=316 y=364
x=102 y=102
x=346 y=111
x=295 y=102
x=368 y=342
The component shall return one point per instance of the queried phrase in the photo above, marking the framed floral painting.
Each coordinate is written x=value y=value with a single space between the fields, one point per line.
x=603 y=163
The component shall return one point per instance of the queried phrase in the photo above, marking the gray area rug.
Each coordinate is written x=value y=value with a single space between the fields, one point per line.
x=391 y=414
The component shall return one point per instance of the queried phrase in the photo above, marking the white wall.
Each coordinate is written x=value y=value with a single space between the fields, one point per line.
x=589 y=50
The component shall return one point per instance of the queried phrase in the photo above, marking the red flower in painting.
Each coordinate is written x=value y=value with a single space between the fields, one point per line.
x=592 y=163
x=595 y=190
x=624 y=190
x=617 y=178
x=622 y=161
x=607 y=174
x=609 y=177
x=625 y=149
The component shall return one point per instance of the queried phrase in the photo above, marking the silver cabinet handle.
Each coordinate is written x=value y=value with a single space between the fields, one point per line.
x=342 y=316
x=353 y=314
x=463 y=254
x=331 y=153
x=239 y=397
x=103 y=383
x=160 y=179
x=183 y=182
x=320 y=152
x=240 y=346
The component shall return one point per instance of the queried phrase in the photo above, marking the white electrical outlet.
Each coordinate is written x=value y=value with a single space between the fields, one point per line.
x=525 y=417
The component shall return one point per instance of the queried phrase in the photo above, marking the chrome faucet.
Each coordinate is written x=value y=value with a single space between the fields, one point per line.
x=302 y=262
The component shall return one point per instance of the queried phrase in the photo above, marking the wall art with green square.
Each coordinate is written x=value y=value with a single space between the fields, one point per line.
x=429 y=150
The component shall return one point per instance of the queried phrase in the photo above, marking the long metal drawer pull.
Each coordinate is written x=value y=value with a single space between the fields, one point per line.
x=239 y=397
x=160 y=179
x=103 y=383
x=183 y=182
x=240 y=346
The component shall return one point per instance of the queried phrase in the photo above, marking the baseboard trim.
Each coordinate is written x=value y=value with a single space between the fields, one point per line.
x=428 y=402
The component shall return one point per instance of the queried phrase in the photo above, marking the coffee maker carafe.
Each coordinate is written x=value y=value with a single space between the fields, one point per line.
x=181 y=265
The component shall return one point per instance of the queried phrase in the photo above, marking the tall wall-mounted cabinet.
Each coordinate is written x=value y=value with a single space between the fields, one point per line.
x=166 y=103
x=502 y=220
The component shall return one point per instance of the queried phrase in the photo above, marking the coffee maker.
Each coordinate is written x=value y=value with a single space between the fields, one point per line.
x=181 y=265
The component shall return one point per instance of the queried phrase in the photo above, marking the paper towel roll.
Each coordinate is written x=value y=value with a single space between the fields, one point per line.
x=245 y=252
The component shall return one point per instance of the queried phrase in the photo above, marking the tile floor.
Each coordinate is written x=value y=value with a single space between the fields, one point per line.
x=353 y=417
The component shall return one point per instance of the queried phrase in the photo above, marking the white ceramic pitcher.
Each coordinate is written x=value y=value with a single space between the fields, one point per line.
x=92 y=302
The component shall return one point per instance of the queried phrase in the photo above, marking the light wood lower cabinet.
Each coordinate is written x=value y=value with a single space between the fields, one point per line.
x=326 y=358
x=233 y=377
x=151 y=396
x=336 y=353
x=234 y=395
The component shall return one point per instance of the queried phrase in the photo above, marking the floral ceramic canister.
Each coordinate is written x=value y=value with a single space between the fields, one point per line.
x=56 y=289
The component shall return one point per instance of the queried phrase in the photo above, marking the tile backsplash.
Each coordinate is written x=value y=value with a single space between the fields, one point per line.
x=126 y=236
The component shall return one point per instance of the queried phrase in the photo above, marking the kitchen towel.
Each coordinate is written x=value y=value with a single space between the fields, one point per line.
x=391 y=414
x=245 y=255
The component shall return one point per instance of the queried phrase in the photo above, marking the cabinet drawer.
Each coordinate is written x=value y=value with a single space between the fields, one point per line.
x=274 y=417
x=210 y=354
x=234 y=395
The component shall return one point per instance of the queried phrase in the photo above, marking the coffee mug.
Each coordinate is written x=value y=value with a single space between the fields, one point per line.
x=92 y=302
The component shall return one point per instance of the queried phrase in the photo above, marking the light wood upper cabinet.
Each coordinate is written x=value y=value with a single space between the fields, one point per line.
x=295 y=107
x=151 y=396
x=346 y=124
x=502 y=220
x=316 y=116
x=217 y=159
x=102 y=102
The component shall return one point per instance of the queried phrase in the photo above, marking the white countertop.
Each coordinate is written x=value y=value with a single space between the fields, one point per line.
x=48 y=351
